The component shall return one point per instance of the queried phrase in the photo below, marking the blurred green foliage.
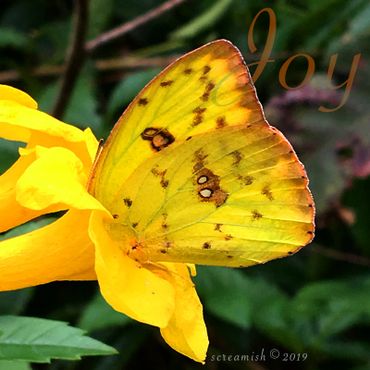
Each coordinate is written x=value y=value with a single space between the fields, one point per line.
x=316 y=302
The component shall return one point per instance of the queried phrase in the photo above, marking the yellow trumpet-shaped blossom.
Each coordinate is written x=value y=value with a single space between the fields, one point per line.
x=50 y=176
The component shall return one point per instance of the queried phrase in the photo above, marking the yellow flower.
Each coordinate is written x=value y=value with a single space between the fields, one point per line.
x=51 y=175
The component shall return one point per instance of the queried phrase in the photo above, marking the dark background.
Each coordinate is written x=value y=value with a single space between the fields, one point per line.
x=316 y=302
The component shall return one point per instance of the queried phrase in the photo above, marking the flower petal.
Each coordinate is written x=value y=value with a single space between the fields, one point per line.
x=91 y=143
x=16 y=214
x=59 y=251
x=56 y=178
x=125 y=284
x=21 y=123
x=186 y=331
x=11 y=93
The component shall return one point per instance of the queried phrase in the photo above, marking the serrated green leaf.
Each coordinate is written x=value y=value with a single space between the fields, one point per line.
x=203 y=21
x=39 y=340
x=99 y=315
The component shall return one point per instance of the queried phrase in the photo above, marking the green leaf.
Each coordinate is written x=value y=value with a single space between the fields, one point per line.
x=270 y=313
x=203 y=22
x=334 y=305
x=39 y=340
x=14 y=365
x=224 y=294
x=10 y=37
x=99 y=315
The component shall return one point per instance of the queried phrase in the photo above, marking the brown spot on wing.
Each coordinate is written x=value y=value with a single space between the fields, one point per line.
x=218 y=227
x=159 y=138
x=167 y=244
x=128 y=202
x=188 y=71
x=221 y=122
x=206 y=245
x=206 y=69
x=200 y=156
x=246 y=180
x=164 y=221
x=157 y=172
x=142 y=101
x=256 y=215
x=237 y=157
x=199 y=159
x=160 y=173
x=164 y=183
x=210 y=191
x=198 y=115
x=199 y=110
x=209 y=87
x=166 y=83
x=198 y=166
x=267 y=193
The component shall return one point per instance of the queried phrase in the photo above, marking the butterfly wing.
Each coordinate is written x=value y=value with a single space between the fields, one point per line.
x=205 y=89
x=193 y=173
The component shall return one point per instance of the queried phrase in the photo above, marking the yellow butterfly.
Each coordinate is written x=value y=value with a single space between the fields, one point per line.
x=192 y=172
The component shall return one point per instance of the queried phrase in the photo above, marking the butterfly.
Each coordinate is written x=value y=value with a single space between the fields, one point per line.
x=193 y=173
